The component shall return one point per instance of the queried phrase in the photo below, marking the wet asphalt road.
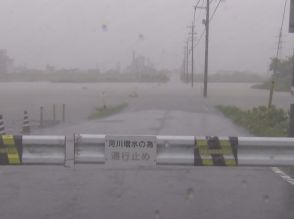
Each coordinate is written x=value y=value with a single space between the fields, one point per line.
x=166 y=192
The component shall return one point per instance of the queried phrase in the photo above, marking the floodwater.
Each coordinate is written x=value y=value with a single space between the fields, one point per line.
x=92 y=191
x=81 y=99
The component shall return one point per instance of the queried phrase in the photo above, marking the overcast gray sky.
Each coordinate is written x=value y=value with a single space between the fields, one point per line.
x=69 y=33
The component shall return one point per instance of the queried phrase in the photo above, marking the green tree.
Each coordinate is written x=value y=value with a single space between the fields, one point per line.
x=283 y=73
x=283 y=66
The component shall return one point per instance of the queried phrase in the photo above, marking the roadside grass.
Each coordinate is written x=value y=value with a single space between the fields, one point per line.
x=259 y=121
x=105 y=111
x=282 y=84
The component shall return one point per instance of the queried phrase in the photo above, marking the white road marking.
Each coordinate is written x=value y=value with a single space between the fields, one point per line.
x=283 y=175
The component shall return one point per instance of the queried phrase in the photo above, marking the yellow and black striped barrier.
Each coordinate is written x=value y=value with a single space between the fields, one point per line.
x=214 y=151
x=10 y=150
x=2 y=127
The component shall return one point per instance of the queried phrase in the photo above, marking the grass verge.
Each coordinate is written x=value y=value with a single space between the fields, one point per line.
x=105 y=111
x=282 y=84
x=259 y=121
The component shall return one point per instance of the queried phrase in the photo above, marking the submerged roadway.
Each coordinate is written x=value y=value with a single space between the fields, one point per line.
x=89 y=191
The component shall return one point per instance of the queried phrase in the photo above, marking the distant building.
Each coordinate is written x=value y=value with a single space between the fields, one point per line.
x=140 y=66
x=6 y=63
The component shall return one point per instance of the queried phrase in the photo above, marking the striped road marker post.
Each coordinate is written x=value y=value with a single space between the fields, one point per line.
x=26 y=126
x=2 y=127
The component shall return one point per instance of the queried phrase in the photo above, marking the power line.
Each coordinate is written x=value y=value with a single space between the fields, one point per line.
x=195 y=11
x=201 y=6
x=277 y=56
x=210 y=19
x=213 y=13
x=193 y=21
x=201 y=36
x=281 y=30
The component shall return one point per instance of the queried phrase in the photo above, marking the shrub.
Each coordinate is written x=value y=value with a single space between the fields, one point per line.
x=259 y=121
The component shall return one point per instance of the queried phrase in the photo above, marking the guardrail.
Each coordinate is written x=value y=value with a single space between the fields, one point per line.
x=255 y=151
x=89 y=149
x=199 y=151
x=147 y=150
x=32 y=150
x=43 y=150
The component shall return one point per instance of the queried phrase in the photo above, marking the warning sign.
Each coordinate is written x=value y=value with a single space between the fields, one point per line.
x=130 y=150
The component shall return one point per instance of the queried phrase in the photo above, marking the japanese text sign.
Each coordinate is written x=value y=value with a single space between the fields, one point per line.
x=130 y=150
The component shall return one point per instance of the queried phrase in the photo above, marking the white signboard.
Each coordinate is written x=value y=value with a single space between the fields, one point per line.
x=291 y=21
x=130 y=150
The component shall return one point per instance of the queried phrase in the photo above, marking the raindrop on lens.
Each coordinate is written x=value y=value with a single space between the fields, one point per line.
x=266 y=198
x=141 y=36
x=118 y=196
x=244 y=184
x=104 y=27
x=156 y=214
x=190 y=194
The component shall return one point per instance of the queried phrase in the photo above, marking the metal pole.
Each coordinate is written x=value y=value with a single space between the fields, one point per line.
x=277 y=58
x=193 y=28
x=192 y=61
x=272 y=87
x=183 y=75
x=271 y=94
x=187 y=61
x=54 y=112
x=291 y=116
x=206 y=49
x=63 y=112
x=41 y=116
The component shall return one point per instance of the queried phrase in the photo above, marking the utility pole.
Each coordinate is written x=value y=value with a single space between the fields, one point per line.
x=192 y=51
x=192 y=61
x=272 y=87
x=184 y=66
x=187 y=60
x=206 y=48
x=193 y=32
x=291 y=119
x=192 y=43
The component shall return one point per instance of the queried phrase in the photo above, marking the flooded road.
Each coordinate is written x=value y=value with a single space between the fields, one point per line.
x=82 y=99
x=89 y=191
